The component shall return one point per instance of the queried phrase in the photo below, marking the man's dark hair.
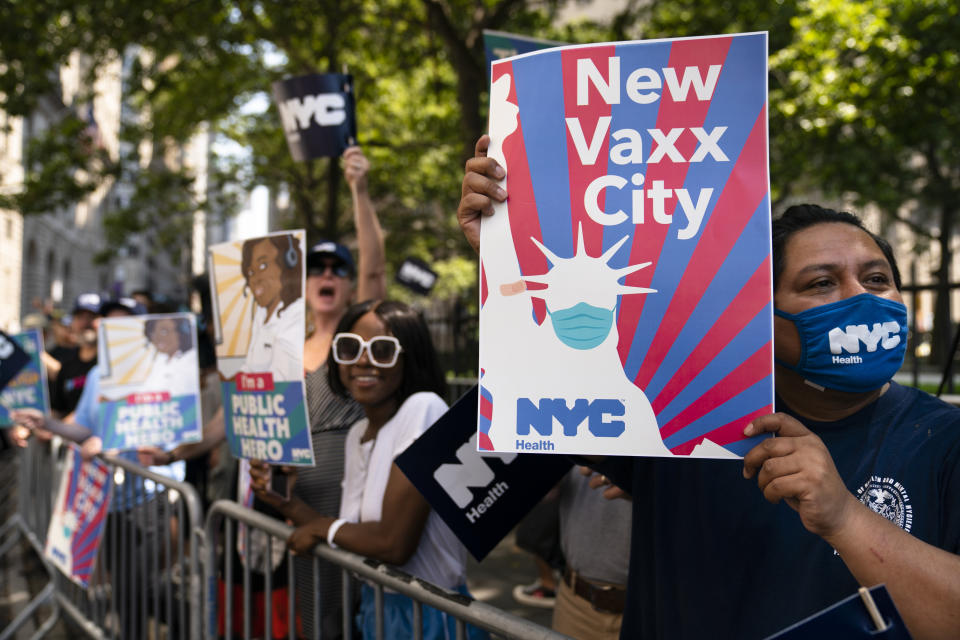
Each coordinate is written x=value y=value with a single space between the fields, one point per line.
x=421 y=369
x=289 y=258
x=802 y=216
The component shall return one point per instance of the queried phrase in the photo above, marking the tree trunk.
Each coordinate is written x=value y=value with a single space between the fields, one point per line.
x=465 y=51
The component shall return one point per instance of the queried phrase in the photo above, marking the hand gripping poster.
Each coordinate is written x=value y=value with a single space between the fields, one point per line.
x=258 y=287
x=28 y=388
x=626 y=302
x=79 y=514
x=149 y=381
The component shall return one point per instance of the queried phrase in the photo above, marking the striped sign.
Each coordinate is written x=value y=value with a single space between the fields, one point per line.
x=626 y=302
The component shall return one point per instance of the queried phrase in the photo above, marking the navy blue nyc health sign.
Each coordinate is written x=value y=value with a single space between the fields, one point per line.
x=481 y=495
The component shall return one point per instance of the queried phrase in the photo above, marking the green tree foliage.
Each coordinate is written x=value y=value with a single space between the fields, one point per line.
x=420 y=80
x=875 y=85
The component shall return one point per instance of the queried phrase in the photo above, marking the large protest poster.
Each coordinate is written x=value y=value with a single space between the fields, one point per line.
x=258 y=289
x=79 y=515
x=625 y=283
x=480 y=495
x=28 y=388
x=149 y=381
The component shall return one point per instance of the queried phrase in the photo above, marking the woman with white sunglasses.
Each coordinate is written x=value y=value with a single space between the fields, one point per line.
x=386 y=362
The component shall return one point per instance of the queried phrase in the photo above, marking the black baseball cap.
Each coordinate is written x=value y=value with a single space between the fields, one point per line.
x=329 y=248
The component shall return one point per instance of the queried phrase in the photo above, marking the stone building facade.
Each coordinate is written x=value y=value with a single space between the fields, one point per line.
x=48 y=259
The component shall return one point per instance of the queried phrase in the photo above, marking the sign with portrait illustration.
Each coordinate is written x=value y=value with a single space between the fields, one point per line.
x=258 y=300
x=79 y=514
x=626 y=301
x=28 y=388
x=318 y=114
x=149 y=381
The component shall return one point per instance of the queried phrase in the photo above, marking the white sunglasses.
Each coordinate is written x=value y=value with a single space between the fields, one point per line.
x=382 y=351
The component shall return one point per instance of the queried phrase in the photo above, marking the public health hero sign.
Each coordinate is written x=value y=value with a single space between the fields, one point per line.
x=625 y=284
x=258 y=312
x=318 y=114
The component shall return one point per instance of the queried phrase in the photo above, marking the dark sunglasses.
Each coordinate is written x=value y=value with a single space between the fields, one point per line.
x=339 y=269
x=382 y=351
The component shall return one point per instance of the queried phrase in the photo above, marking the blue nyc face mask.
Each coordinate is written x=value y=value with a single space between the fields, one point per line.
x=582 y=326
x=853 y=345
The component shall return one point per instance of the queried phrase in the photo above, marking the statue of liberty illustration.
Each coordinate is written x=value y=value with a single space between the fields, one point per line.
x=571 y=358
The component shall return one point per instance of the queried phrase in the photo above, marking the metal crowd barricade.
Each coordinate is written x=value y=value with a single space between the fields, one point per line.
x=28 y=475
x=228 y=514
x=147 y=577
x=146 y=582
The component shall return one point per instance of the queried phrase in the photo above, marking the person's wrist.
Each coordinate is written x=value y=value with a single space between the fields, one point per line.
x=851 y=516
x=332 y=531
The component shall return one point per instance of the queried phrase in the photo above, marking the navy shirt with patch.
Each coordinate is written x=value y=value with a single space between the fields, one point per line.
x=710 y=558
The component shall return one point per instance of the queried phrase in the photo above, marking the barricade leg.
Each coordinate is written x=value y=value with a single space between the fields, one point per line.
x=27 y=482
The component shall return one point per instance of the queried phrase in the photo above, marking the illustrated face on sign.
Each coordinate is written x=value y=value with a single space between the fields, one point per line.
x=164 y=336
x=581 y=293
x=264 y=275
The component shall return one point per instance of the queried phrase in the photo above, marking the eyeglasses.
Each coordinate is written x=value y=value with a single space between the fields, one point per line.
x=382 y=351
x=339 y=269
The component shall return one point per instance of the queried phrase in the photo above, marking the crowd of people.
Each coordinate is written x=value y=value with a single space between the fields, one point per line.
x=653 y=547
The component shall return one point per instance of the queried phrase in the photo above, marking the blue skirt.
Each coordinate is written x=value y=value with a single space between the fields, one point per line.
x=398 y=618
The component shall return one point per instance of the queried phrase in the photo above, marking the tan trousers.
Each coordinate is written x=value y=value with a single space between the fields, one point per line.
x=575 y=617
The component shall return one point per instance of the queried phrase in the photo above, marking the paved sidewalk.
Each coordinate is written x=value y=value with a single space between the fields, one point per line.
x=21 y=577
x=492 y=581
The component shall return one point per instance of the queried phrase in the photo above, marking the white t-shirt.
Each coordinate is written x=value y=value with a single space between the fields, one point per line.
x=440 y=558
x=277 y=345
x=177 y=374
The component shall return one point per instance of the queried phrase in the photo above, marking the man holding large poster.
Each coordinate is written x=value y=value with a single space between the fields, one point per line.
x=869 y=466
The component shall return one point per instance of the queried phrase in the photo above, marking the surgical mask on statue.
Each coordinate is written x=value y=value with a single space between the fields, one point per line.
x=853 y=345
x=582 y=326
